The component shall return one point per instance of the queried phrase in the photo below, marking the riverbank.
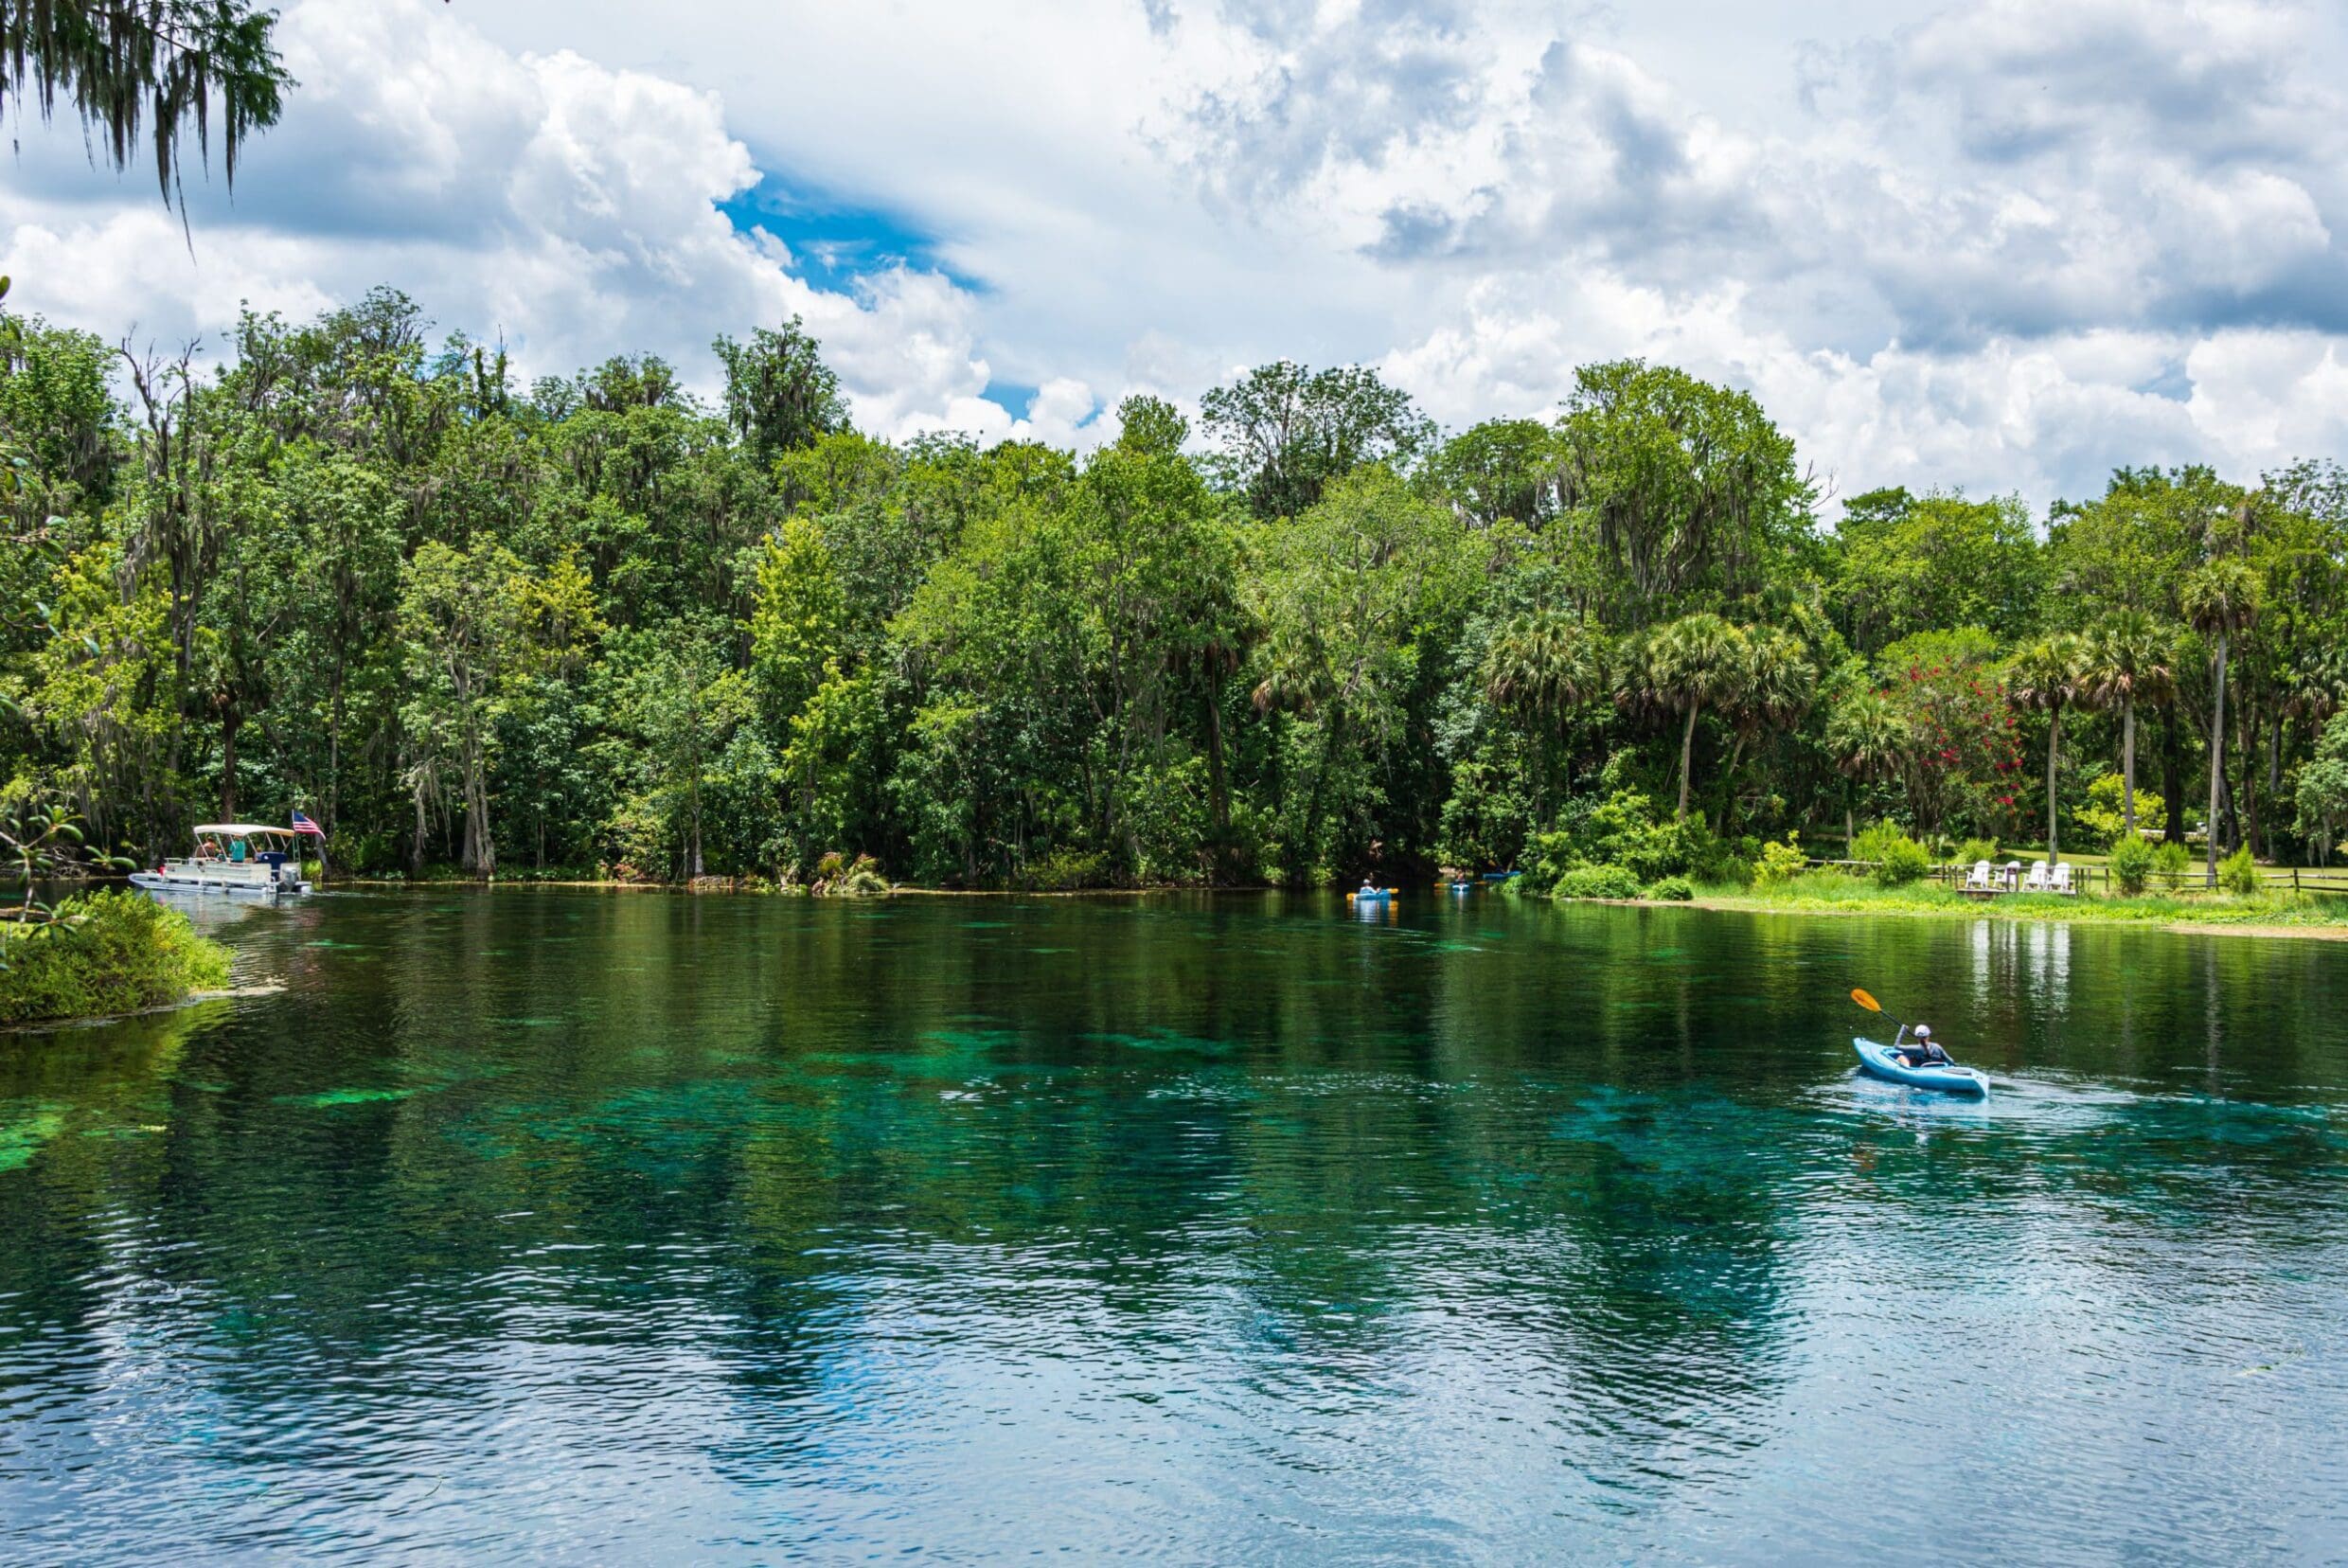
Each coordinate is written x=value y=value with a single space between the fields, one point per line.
x=2214 y=913
x=106 y=955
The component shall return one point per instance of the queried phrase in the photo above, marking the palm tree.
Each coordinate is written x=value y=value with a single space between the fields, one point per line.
x=2220 y=600
x=1697 y=662
x=1778 y=685
x=2128 y=661
x=1872 y=741
x=2048 y=676
x=1543 y=666
x=1540 y=667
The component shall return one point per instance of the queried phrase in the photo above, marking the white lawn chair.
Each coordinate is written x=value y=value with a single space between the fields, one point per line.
x=1979 y=880
x=2063 y=883
x=2013 y=876
x=2035 y=881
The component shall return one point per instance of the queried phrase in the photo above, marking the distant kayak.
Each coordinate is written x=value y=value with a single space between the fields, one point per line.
x=1950 y=1079
x=1375 y=895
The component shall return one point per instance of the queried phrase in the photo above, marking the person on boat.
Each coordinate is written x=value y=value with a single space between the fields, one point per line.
x=1923 y=1051
x=1368 y=887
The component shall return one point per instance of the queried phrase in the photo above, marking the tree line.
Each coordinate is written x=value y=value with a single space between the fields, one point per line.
x=596 y=625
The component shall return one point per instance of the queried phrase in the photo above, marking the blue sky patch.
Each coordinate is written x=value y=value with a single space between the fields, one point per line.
x=833 y=241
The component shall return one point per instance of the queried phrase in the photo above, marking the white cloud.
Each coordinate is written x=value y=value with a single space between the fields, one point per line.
x=565 y=206
x=1991 y=242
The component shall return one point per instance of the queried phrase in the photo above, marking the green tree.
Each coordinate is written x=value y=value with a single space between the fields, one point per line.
x=1699 y=661
x=798 y=625
x=1540 y=667
x=1355 y=597
x=1501 y=470
x=1908 y=564
x=1683 y=487
x=460 y=621
x=2128 y=659
x=2220 y=601
x=1284 y=433
x=2049 y=675
x=779 y=394
x=1873 y=742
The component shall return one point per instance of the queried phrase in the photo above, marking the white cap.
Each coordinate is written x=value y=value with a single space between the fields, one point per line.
x=1924 y=1031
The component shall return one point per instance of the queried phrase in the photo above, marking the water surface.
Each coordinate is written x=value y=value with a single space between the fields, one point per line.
x=544 y=1224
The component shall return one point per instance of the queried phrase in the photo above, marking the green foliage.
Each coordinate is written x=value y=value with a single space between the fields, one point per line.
x=1898 y=860
x=2104 y=818
x=1974 y=850
x=1940 y=561
x=1599 y=882
x=105 y=953
x=2238 y=873
x=2170 y=864
x=1780 y=862
x=839 y=875
x=1068 y=871
x=1285 y=433
x=603 y=622
x=138 y=74
x=2132 y=862
x=1964 y=773
x=2322 y=786
x=1687 y=487
x=1671 y=890
x=779 y=394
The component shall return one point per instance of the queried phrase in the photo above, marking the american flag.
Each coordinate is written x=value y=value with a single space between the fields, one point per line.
x=303 y=825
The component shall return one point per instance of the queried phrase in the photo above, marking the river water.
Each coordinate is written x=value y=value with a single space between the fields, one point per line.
x=543 y=1225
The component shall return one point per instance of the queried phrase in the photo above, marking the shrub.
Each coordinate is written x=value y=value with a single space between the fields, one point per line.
x=838 y=877
x=1671 y=890
x=1898 y=859
x=1547 y=857
x=1903 y=862
x=107 y=953
x=1068 y=871
x=1976 y=849
x=2238 y=873
x=2169 y=864
x=1779 y=863
x=2104 y=818
x=1598 y=881
x=2132 y=860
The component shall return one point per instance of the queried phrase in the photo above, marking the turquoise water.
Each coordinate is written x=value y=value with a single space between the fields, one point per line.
x=645 y=1227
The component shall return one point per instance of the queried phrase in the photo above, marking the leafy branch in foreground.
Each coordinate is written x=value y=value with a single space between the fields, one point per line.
x=161 y=64
x=40 y=844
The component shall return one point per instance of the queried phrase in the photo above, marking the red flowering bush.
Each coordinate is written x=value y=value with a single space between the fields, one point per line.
x=1967 y=774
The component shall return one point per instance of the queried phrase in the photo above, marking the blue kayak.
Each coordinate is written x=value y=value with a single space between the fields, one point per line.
x=1950 y=1079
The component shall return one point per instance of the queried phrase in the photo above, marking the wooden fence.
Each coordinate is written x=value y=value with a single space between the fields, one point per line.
x=2325 y=880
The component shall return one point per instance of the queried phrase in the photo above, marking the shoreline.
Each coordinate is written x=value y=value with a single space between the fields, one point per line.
x=2321 y=932
x=2074 y=914
x=194 y=998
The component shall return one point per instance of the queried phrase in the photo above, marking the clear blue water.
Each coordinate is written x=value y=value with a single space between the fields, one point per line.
x=566 y=1225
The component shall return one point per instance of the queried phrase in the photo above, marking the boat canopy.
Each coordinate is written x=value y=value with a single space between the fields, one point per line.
x=244 y=829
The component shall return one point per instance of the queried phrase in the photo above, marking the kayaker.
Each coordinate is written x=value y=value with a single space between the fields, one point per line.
x=1923 y=1051
x=1369 y=887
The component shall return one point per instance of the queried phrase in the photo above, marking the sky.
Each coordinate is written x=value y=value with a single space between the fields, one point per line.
x=1989 y=245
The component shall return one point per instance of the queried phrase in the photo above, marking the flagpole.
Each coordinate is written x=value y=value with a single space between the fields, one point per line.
x=310 y=828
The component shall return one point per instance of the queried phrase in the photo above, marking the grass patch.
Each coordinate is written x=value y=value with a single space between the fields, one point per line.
x=108 y=953
x=1829 y=892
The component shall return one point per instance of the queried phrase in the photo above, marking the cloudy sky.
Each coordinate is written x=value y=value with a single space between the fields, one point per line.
x=1994 y=244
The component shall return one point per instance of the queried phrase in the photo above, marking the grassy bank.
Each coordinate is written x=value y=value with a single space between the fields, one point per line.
x=107 y=954
x=1832 y=893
